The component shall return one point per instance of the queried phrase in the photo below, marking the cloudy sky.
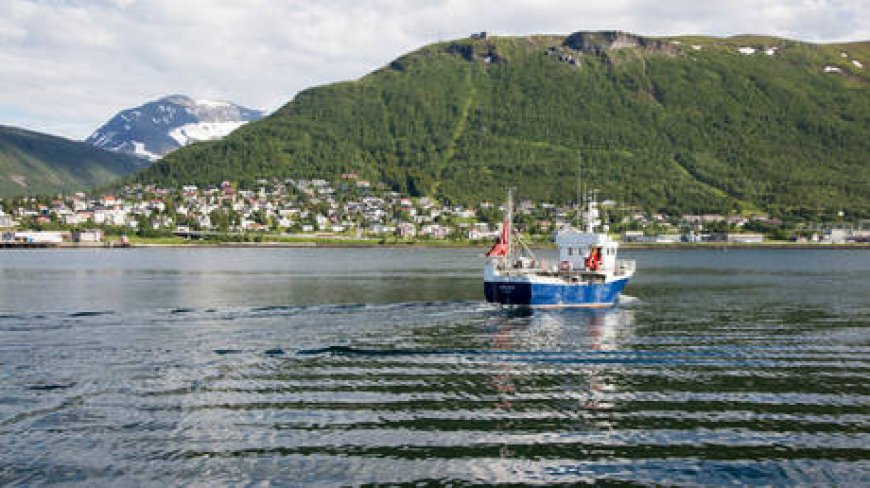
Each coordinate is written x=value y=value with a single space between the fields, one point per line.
x=67 y=66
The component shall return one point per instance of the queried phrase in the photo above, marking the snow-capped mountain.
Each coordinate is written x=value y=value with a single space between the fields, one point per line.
x=159 y=127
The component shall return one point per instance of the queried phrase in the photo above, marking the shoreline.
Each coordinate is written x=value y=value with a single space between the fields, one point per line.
x=715 y=246
x=337 y=244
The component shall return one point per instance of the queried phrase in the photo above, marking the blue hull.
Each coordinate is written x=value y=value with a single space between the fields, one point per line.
x=552 y=295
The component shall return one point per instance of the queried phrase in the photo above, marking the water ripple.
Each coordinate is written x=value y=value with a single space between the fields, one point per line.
x=754 y=374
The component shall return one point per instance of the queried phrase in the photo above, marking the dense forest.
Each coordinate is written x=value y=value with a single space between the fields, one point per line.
x=676 y=124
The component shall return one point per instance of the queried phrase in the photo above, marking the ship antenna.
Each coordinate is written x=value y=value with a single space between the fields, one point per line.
x=592 y=220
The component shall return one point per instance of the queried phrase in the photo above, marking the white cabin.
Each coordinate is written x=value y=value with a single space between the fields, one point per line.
x=587 y=250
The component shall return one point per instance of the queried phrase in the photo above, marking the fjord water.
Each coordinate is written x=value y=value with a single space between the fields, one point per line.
x=326 y=367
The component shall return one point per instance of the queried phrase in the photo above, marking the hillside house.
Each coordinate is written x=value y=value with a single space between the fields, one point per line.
x=406 y=230
x=6 y=221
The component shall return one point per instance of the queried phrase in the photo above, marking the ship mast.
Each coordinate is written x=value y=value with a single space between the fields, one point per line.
x=508 y=221
x=581 y=207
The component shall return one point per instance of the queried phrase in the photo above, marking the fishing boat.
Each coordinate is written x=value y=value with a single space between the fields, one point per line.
x=588 y=274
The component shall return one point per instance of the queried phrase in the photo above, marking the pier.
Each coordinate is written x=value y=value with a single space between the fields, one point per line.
x=27 y=245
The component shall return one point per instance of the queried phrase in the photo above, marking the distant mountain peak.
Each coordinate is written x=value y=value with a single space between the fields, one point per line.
x=158 y=127
x=186 y=101
x=177 y=99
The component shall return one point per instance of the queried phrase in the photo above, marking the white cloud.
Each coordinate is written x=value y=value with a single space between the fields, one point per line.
x=68 y=65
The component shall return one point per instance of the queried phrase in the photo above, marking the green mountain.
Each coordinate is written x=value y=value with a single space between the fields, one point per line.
x=32 y=163
x=680 y=124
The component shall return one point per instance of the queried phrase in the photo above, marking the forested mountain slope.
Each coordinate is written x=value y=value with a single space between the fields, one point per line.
x=681 y=124
x=32 y=163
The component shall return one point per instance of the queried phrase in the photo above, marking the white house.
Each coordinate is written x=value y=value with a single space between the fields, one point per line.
x=90 y=235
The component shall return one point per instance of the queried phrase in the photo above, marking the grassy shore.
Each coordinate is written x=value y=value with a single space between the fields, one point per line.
x=284 y=241
x=741 y=245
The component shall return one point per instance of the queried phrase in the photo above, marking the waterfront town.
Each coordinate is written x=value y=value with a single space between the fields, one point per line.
x=350 y=208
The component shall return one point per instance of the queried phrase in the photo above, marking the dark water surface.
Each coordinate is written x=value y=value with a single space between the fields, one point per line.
x=323 y=367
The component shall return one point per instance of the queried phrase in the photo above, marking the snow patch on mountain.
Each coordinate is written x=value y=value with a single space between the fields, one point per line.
x=139 y=150
x=203 y=131
x=213 y=103
x=19 y=180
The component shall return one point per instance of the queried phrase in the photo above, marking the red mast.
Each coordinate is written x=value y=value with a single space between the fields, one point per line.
x=503 y=246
